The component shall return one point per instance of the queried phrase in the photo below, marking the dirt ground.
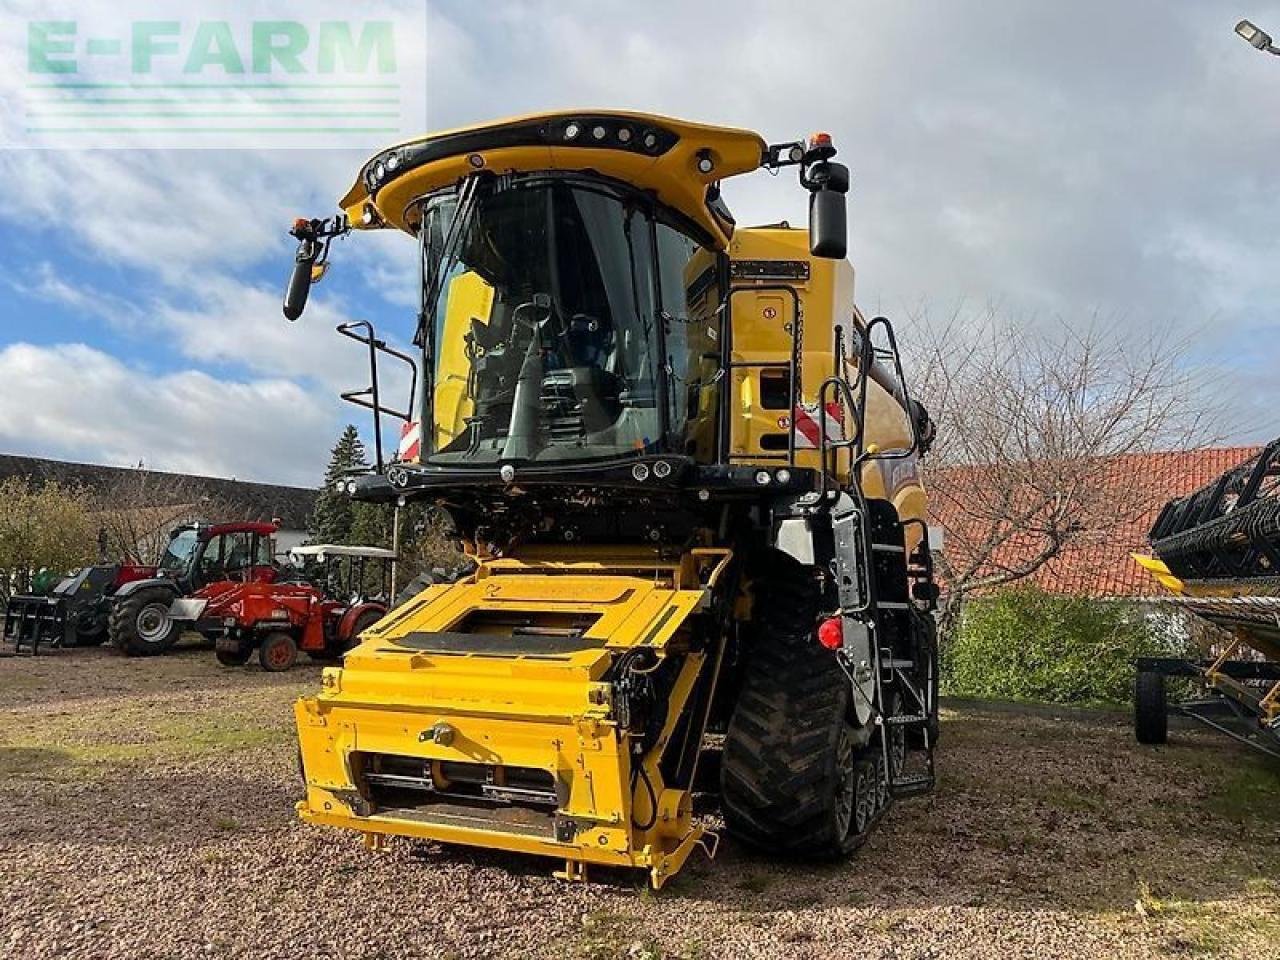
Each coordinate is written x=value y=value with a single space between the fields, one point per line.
x=146 y=810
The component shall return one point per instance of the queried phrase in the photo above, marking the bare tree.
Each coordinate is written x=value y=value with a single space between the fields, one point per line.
x=137 y=510
x=1027 y=417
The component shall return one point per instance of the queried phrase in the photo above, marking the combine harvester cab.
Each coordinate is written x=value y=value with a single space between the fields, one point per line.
x=1217 y=551
x=686 y=470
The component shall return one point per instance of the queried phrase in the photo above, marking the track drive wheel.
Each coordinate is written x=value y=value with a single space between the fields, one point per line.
x=140 y=625
x=794 y=779
x=1150 y=708
x=277 y=652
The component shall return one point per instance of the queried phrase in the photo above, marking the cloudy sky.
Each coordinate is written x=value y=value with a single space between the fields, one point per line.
x=1058 y=161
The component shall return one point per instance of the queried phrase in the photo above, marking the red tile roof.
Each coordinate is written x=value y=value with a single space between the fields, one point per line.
x=1096 y=563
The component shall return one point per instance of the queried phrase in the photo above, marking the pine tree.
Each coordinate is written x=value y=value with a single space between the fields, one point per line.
x=334 y=513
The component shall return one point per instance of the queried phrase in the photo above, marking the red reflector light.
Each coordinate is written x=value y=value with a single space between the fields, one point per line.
x=831 y=633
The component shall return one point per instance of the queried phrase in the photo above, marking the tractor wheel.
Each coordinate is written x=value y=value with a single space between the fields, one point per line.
x=278 y=652
x=91 y=635
x=233 y=658
x=794 y=779
x=1150 y=708
x=363 y=623
x=140 y=625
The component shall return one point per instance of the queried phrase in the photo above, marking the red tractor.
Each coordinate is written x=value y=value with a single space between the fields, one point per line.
x=336 y=593
x=197 y=556
x=129 y=602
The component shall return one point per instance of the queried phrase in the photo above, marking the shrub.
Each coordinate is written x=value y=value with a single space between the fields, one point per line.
x=1026 y=644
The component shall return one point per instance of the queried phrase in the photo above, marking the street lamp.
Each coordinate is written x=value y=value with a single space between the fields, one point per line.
x=1255 y=37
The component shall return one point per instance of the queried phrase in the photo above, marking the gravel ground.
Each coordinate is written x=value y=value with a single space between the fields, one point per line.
x=147 y=812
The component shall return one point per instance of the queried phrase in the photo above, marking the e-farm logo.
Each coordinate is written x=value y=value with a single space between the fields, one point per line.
x=213 y=77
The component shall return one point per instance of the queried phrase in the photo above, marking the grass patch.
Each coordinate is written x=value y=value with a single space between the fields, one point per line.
x=1247 y=794
x=128 y=736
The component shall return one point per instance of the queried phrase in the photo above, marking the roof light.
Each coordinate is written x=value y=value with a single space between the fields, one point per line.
x=572 y=130
x=379 y=170
x=641 y=472
x=507 y=472
x=367 y=217
x=599 y=132
x=662 y=469
x=783 y=476
x=624 y=134
x=796 y=153
x=476 y=161
x=705 y=163
x=762 y=478
x=831 y=633
x=393 y=161
x=650 y=140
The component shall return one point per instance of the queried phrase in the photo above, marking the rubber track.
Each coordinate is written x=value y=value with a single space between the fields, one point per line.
x=779 y=753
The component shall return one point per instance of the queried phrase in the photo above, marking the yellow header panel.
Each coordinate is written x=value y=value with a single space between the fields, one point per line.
x=661 y=154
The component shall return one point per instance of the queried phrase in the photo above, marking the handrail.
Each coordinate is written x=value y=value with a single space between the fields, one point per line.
x=369 y=398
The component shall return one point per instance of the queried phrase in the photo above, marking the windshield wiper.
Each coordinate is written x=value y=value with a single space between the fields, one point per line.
x=432 y=283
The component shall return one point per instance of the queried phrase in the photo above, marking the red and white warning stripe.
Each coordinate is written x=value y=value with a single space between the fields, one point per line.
x=809 y=430
x=410 y=441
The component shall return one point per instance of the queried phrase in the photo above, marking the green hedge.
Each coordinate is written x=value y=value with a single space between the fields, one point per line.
x=1026 y=644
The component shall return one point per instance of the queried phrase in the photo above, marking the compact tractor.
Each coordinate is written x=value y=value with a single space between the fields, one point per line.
x=686 y=469
x=129 y=602
x=320 y=614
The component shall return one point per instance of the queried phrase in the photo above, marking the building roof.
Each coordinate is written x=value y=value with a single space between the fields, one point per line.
x=263 y=502
x=1093 y=564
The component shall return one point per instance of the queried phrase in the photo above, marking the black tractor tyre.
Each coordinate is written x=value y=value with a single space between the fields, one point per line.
x=1150 y=708
x=277 y=652
x=792 y=768
x=139 y=625
x=91 y=635
x=233 y=658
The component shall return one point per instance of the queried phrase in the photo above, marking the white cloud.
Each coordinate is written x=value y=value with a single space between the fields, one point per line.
x=74 y=402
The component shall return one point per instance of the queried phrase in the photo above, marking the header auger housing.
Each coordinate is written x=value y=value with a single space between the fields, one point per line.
x=686 y=469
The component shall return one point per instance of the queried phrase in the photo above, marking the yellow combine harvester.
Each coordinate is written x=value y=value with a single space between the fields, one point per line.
x=686 y=469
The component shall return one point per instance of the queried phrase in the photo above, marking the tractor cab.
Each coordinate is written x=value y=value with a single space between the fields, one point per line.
x=198 y=554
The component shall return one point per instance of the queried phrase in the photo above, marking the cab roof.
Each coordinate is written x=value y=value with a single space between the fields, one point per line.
x=663 y=155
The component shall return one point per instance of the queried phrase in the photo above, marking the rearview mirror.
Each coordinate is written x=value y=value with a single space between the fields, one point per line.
x=828 y=218
x=304 y=263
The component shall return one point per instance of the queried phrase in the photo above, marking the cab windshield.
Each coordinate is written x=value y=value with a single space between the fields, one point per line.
x=559 y=325
x=177 y=555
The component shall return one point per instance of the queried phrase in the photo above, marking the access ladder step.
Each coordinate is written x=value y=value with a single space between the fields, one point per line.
x=906 y=720
x=913 y=784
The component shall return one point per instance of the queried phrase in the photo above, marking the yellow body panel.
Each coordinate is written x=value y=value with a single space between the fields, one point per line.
x=763 y=317
x=511 y=705
x=672 y=176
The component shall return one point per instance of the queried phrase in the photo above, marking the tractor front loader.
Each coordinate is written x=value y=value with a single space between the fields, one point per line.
x=686 y=470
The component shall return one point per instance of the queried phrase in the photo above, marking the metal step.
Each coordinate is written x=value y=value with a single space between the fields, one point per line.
x=912 y=784
x=888 y=548
x=888 y=663
x=906 y=720
x=891 y=605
